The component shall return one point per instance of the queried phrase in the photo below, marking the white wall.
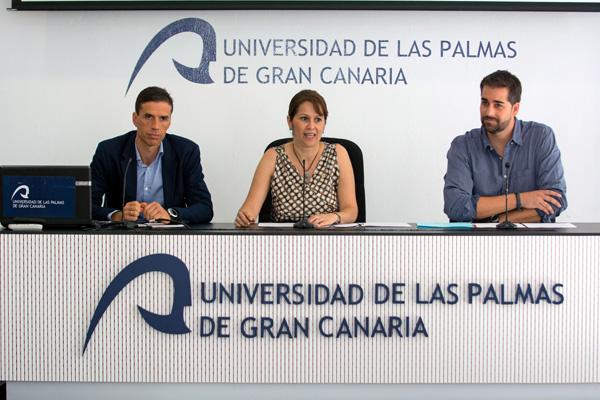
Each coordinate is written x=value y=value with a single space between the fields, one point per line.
x=63 y=77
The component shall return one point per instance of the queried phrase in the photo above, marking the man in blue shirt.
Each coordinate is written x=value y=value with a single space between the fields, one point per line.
x=524 y=152
x=164 y=179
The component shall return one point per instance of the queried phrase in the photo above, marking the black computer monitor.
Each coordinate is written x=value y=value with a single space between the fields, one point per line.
x=54 y=196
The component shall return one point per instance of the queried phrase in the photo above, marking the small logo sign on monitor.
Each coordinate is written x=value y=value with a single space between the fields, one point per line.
x=39 y=196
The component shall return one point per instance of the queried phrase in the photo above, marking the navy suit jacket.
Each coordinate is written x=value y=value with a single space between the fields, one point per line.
x=183 y=181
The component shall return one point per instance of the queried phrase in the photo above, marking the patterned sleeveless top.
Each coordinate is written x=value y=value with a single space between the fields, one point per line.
x=321 y=189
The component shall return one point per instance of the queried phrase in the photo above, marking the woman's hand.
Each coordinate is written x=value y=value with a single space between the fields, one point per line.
x=259 y=189
x=244 y=219
x=323 y=220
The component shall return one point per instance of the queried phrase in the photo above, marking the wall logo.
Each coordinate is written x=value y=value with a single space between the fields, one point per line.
x=173 y=322
x=23 y=190
x=202 y=28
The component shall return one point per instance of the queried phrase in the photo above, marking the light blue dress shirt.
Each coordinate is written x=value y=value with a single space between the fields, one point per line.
x=149 y=179
x=475 y=169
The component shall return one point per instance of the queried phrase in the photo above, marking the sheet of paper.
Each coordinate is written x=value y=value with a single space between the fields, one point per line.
x=492 y=225
x=374 y=225
x=386 y=224
x=160 y=225
x=276 y=224
x=444 y=225
x=556 y=225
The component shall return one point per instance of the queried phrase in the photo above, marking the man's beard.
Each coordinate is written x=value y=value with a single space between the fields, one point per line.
x=495 y=126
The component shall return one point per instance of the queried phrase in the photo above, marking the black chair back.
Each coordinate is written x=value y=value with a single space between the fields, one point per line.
x=356 y=158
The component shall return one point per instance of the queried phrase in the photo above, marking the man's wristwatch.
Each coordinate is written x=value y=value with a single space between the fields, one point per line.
x=518 y=196
x=173 y=213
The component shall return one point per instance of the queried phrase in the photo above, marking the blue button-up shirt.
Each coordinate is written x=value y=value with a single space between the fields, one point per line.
x=149 y=179
x=475 y=169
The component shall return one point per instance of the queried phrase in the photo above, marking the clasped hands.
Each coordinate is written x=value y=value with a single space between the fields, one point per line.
x=244 y=220
x=150 y=211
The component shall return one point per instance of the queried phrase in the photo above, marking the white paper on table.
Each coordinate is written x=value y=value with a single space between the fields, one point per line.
x=276 y=224
x=556 y=225
x=374 y=225
x=386 y=224
x=160 y=225
x=492 y=225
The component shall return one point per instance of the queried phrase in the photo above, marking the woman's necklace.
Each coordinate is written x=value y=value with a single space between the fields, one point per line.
x=306 y=171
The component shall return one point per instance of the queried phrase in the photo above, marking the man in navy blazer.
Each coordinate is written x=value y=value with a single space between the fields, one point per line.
x=164 y=176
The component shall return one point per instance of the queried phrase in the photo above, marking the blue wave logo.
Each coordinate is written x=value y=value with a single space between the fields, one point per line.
x=173 y=322
x=198 y=26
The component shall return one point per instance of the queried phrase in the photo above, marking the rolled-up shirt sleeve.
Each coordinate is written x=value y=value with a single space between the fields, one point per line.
x=550 y=173
x=459 y=202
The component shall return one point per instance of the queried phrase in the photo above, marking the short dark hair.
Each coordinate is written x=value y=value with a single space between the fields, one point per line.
x=311 y=96
x=153 y=93
x=501 y=79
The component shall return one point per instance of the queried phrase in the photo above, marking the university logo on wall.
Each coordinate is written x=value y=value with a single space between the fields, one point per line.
x=199 y=74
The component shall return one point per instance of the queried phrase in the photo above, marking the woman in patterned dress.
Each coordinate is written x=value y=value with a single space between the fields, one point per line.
x=328 y=180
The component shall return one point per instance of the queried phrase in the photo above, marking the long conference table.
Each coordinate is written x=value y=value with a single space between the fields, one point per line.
x=368 y=305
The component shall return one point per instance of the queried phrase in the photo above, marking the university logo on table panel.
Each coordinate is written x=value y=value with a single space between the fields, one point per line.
x=179 y=273
x=200 y=74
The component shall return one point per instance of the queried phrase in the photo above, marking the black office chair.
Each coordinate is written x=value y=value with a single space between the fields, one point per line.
x=356 y=158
